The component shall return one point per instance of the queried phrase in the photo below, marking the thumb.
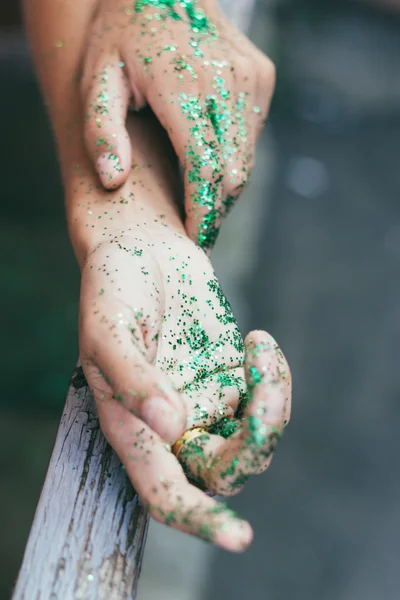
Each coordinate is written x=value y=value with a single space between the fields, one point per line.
x=106 y=95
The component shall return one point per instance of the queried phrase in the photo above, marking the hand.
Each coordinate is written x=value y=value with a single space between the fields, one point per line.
x=162 y=352
x=209 y=86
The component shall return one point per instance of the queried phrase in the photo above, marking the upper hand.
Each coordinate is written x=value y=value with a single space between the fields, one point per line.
x=206 y=82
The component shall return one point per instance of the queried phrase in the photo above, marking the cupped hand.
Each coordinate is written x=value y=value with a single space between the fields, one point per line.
x=208 y=85
x=162 y=353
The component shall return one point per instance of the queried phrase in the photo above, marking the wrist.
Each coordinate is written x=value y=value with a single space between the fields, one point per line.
x=86 y=240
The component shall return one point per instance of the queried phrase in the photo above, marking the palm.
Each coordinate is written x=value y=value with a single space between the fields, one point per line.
x=163 y=298
x=199 y=345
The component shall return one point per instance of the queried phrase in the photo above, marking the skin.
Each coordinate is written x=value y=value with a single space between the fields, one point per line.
x=164 y=54
x=159 y=345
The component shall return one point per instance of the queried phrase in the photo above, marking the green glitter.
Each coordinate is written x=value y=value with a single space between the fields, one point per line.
x=254 y=379
x=230 y=470
x=102 y=103
x=197 y=336
x=208 y=229
x=181 y=65
x=257 y=429
x=225 y=427
x=203 y=153
x=197 y=19
x=227 y=316
x=192 y=459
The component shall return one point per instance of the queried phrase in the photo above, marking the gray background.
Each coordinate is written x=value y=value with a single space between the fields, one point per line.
x=317 y=263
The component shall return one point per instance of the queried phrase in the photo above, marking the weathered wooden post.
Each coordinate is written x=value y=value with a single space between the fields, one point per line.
x=88 y=535
x=87 y=538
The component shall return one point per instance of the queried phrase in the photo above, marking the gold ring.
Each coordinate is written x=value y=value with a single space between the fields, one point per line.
x=188 y=436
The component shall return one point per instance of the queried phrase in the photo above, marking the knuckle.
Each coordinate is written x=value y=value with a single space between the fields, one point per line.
x=242 y=69
x=243 y=63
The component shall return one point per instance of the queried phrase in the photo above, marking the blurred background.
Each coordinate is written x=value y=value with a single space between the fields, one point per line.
x=318 y=265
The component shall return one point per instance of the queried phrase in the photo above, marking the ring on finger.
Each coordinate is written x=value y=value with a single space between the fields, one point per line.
x=187 y=436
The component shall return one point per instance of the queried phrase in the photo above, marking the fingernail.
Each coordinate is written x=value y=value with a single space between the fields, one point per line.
x=109 y=167
x=158 y=413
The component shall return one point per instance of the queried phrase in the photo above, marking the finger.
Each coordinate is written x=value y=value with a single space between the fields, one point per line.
x=227 y=105
x=200 y=155
x=224 y=465
x=122 y=371
x=106 y=95
x=187 y=121
x=258 y=63
x=253 y=65
x=268 y=406
x=240 y=158
x=203 y=193
x=254 y=88
x=250 y=450
x=162 y=485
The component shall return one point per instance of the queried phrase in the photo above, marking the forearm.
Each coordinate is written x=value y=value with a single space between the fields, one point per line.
x=57 y=33
x=145 y=204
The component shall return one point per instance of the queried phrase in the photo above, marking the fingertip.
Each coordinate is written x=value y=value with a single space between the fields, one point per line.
x=203 y=232
x=236 y=536
x=258 y=336
x=109 y=167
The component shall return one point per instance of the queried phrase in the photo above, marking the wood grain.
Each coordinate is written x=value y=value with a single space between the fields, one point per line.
x=88 y=534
